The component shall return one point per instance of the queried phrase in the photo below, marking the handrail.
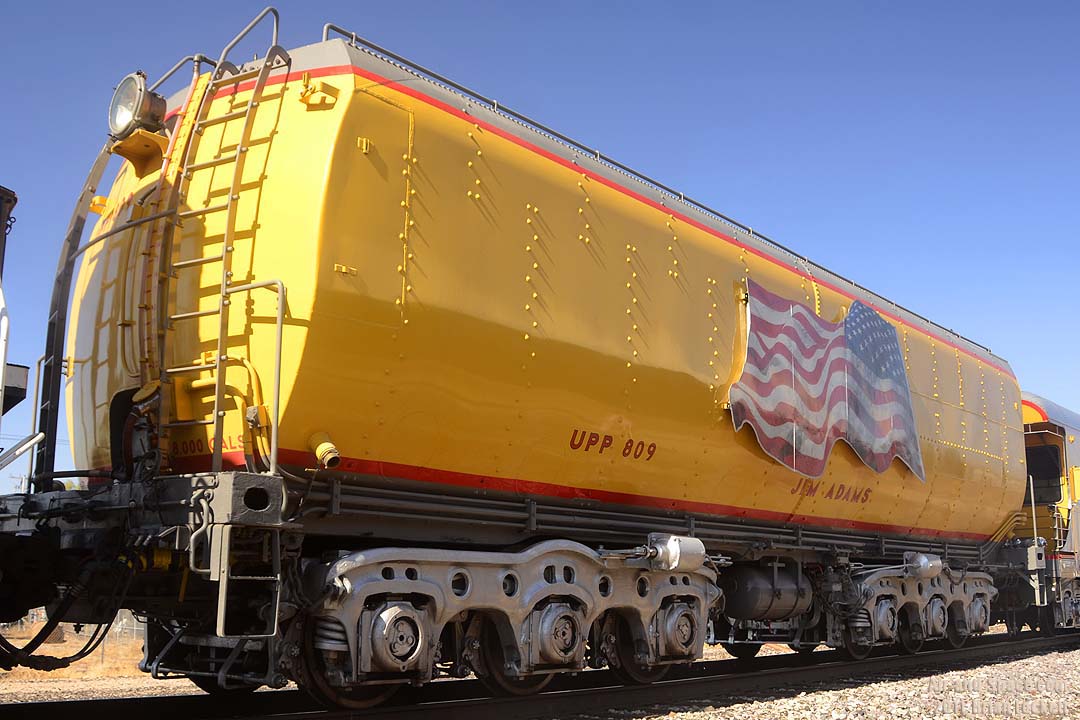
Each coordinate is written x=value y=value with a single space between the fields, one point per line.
x=279 y=287
x=197 y=58
x=425 y=73
x=56 y=327
x=20 y=447
x=268 y=10
x=34 y=414
x=126 y=226
x=331 y=27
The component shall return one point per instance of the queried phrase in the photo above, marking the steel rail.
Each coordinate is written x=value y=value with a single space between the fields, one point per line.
x=710 y=682
x=587 y=692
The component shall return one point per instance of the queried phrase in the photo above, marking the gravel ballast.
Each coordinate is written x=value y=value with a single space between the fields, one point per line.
x=1046 y=685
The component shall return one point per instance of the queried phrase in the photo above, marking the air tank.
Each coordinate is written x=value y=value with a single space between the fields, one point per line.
x=774 y=591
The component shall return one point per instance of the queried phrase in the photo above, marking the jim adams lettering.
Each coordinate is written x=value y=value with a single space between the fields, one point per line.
x=841 y=492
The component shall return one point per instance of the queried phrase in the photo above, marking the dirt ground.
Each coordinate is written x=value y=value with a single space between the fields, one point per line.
x=111 y=671
x=117 y=656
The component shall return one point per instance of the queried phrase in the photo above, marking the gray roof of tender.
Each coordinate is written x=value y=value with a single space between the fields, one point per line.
x=399 y=69
x=395 y=68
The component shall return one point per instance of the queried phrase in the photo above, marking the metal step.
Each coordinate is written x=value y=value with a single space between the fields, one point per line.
x=188 y=423
x=194 y=314
x=192 y=262
x=180 y=369
x=203 y=211
x=224 y=160
x=235 y=78
x=222 y=118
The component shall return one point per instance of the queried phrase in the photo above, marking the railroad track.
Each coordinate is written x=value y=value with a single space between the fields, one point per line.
x=588 y=692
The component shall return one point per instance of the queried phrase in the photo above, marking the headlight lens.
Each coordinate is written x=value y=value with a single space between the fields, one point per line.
x=133 y=106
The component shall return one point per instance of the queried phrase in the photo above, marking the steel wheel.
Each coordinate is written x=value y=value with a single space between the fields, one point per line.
x=358 y=698
x=493 y=673
x=854 y=650
x=629 y=670
x=953 y=638
x=909 y=642
x=313 y=680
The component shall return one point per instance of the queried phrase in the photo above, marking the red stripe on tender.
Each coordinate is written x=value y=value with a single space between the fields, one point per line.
x=298 y=458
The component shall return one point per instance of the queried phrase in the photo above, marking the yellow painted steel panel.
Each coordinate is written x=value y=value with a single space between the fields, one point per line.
x=463 y=309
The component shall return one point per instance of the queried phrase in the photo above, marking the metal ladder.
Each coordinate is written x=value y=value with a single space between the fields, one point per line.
x=1060 y=529
x=225 y=75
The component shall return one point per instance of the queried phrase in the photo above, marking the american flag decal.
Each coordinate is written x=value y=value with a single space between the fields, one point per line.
x=808 y=382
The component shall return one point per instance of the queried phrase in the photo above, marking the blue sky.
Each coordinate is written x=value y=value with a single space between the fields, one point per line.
x=928 y=151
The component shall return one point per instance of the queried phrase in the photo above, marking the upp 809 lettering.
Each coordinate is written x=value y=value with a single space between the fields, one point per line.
x=585 y=441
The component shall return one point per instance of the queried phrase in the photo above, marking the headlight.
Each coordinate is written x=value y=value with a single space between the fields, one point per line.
x=133 y=106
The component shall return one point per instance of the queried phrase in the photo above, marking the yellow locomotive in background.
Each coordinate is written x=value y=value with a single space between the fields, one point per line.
x=401 y=383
